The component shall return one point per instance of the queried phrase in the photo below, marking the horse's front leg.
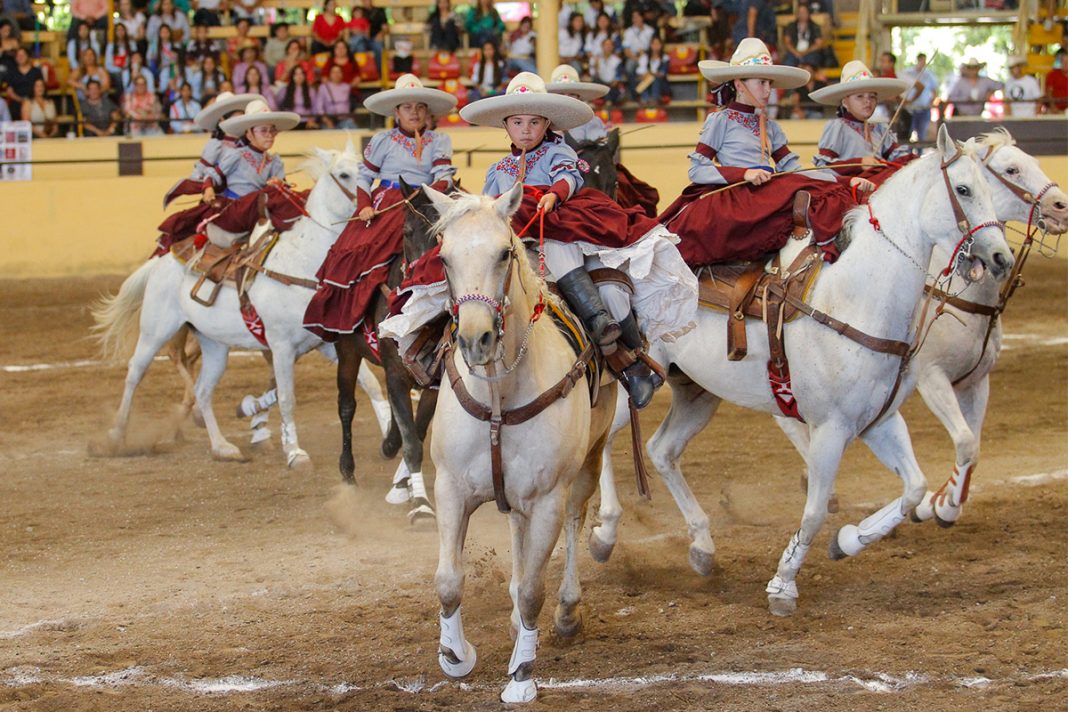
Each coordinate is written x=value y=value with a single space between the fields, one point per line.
x=603 y=537
x=284 y=359
x=348 y=368
x=949 y=405
x=797 y=433
x=542 y=531
x=568 y=619
x=456 y=656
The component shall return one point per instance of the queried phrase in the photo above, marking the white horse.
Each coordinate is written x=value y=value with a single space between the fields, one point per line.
x=549 y=461
x=160 y=289
x=841 y=387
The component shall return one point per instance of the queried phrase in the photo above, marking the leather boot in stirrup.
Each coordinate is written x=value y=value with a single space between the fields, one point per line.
x=582 y=296
x=640 y=381
x=802 y=227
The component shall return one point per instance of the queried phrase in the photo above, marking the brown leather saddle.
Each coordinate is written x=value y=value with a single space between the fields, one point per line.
x=235 y=266
x=757 y=290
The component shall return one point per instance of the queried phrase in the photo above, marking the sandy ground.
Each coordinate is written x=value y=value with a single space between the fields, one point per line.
x=169 y=581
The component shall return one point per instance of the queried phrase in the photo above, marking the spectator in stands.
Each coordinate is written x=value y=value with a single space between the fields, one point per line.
x=295 y=57
x=636 y=39
x=134 y=21
x=696 y=8
x=207 y=81
x=142 y=110
x=184 y=109
x=255 y=82
x=41 y=111
x=359 y=28
x=798 y=102
x=100 y=116
x=970 y=91
x=595 y=9
x=275 y=48
x=651 y=84
x=9 y=36
x=119 y=50
x=756 y=19
x=920 y=97
x=333 y=101
x=803 y=41
x=20 y=12
x=207 y=13
x=718 y=33
x=170 y=16
x=887 y=65
x=20 y=80
x=93 y=13
x=572 y=42
x=77 y=45
x=244 y=9
x=487 y=73
x=241 y=38
x=444 y=27
x=340 y=57
x=1057 y=85
x=201 y=46
x=250 y=56
x=136 y=68
x=327 y=28
x=379 y=27
x=603 y=29
x=5 y=112
x=484 y=24
x=886 y=68
x=164 y=58
x=607 y=69
x=520 y=49
x=1021 y=90
x=89 y=68
x=297 y=96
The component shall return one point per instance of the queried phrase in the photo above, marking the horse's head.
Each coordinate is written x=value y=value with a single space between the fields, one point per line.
x=959 y=215
x=601 y=155
x=480 y=255
x=419 y=235
x=335 y=174
x=1019 y=184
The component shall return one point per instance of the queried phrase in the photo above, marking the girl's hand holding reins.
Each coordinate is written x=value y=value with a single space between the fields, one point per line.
x=757 y=176
x=548 y=202
x=862 y=184
x=871 y=161
x=208 y=195
x=366 y=213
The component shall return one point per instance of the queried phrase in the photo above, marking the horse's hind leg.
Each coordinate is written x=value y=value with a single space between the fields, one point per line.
x=692 y=408
x=961 y=411
x=155 y=332
x=284 y=359
x=213 y=364
x=399 y=386
x=567 y=619
x=379 y=403
x=348 y=368
x=889 y=441
x=183 y=363
x=603 y=537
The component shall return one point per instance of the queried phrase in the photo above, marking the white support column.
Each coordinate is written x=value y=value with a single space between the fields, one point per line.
x=548 y=43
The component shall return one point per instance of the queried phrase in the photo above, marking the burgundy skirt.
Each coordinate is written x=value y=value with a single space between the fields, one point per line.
x=633 y=192
x=587 y=216
x=355 y=267
x=747 y=222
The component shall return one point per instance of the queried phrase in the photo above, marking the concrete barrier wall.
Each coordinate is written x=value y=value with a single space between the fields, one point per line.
x=79 y=217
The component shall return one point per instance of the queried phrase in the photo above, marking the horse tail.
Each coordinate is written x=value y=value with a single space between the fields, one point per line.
x=117 y=317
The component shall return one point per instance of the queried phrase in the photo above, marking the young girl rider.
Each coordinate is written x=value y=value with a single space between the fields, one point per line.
x=737 y=147
x=850 y=138
x=585 y=229
x=233 y=186
x=360 y=259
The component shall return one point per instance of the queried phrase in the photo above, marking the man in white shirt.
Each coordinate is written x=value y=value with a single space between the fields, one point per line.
x=1021 y=90
x=920 y=96
x=636 y=39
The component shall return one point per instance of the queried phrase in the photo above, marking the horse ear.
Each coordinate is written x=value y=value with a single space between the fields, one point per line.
x=349 y=146
x=570 y=141
x=326 y=156
x=439 y=200
x=613 y=141
x=509 y=202
x=406 y=190
x=946 y=146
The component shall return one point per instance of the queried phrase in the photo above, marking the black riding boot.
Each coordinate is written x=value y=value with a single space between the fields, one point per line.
x=640 y=381
x=582 y=296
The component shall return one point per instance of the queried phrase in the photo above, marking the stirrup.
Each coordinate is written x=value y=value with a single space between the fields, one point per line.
x=802 y=227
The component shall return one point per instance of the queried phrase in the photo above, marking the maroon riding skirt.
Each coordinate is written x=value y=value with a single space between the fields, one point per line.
x=587 y=216
x=633 y=192
x=747 y=222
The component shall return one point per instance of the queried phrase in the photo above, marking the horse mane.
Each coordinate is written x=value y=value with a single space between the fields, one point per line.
x=315 y=166
x=998 y=138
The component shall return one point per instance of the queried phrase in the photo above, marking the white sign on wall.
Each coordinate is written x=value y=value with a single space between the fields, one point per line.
x=15 y=147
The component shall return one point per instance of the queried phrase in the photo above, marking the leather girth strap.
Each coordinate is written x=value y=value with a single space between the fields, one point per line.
x=514 y=416
x=963 y=304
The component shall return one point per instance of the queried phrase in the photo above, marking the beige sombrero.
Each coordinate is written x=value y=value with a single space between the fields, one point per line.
x=225 y=103
x=526 y=96
x=1016 y=60
x=973 y=62
x=858 y=79
x=408 y=89
x=752 y=60
x=257 y=113
x=565 y=80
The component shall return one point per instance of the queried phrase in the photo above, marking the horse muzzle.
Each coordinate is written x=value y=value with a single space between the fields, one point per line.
x=478 y=347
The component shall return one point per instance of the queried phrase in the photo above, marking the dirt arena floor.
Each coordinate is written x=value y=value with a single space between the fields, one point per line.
x=166 y=581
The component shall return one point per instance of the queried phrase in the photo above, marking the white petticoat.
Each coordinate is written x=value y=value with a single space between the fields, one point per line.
x=664 y=300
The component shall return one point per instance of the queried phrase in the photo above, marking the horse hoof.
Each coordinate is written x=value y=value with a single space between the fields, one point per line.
x=298 y=460
x=924 y=511
x=400 y=493
x=600 y=549
x=347 y=466
x=782 y=607
x=845 y=542
x=946 y=523
x=567 y=626
x=519 y=692
x=455 y=668
x=832 y=504
x=421 y=512
x=701 y=561
x=228 y=453
x=198 y=417
x=247 y=407
x=834 y=552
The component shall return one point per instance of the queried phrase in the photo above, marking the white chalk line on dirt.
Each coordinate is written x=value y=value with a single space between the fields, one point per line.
x=90 y=363
x=881 y=683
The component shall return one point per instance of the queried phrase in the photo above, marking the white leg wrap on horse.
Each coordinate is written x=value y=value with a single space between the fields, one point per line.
x=525 y=649
x=251 y=405
x=562 y=257
x=794 y=554
x=289 y=435
x=259 y=419
x=782 y=589
x=400 y=492
x=616 y=299
x=421 y=507
x=853 y=539
x=418 y=486
x=452 y=639
x=260 y=435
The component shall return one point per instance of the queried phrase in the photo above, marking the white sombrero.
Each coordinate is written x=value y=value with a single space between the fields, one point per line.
x=1016 y=60
x=409 y=89
x=257 y=113
x=526 y=96
x=565 y=80
x=752 y=60
x=858 y=79
x=973 y=62
x=225 y=103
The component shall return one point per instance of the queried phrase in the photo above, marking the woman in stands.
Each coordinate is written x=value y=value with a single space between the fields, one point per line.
x=740 y=147
x=119 y=50
x=40 y=110
x=256 y=83
x=851 y=138
x=89 y=68
x=298 y=96
x=487 y=73
x=333 y=101
x=327 y=28
x=295 y=56
x=359 y=261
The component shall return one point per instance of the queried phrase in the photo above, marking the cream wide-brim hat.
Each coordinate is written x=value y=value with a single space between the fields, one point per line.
x=257 y=113
x=409 y=89
x=858 y=79
x=526 y=96
x=752 y=60
x=1016 y=60
x=565 y=80
x=972 y=62
x=208 y=117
